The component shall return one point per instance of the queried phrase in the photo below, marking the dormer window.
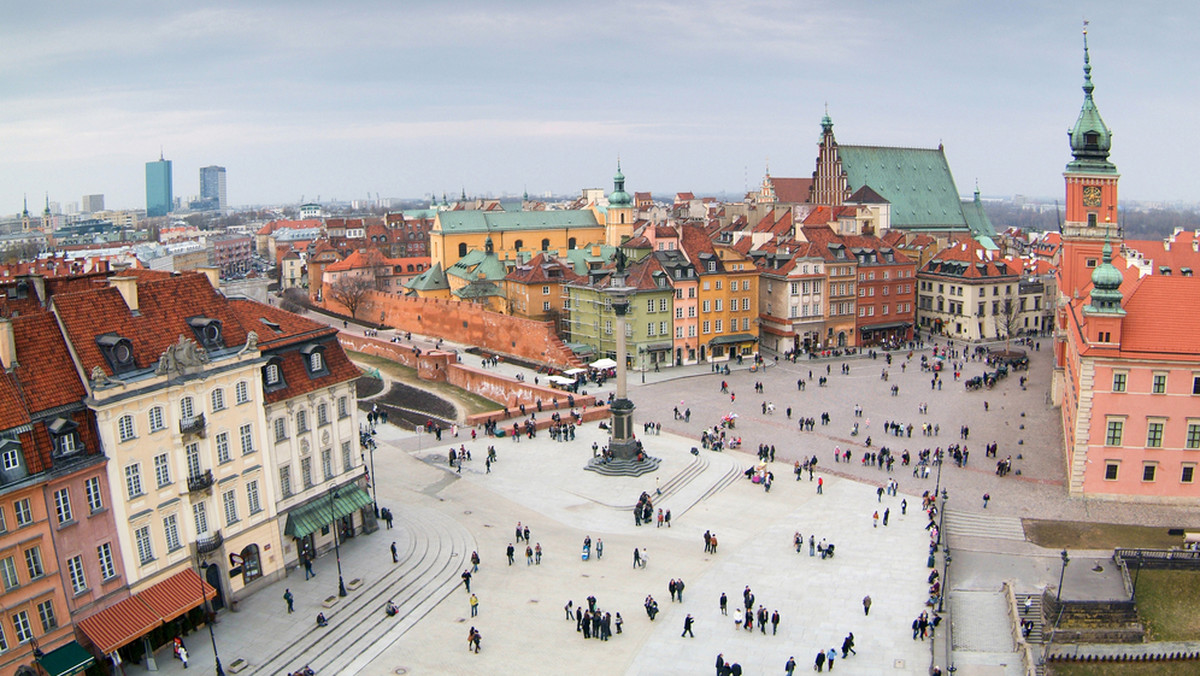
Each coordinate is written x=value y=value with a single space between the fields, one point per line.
x=207 y=331
x=273 y=375
x=65 y=435
x=118 y=352
x=314 y=360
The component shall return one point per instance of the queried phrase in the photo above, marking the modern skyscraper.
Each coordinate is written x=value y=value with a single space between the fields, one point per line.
x=212 y=185
x=160 y=198
x=93 y=203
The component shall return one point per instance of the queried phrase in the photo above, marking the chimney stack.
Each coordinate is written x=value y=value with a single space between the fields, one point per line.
x=8 y=344
x=127 y=286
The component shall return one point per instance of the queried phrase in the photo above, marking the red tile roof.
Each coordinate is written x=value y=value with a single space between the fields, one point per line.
x=536 y=271
x=791 y=190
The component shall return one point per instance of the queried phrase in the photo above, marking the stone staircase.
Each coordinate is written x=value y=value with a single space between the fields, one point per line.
x=1032 y=612
x=620 y=467
x=971 y=524
x=359 y=629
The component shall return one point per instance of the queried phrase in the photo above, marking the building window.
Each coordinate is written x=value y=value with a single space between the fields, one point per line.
x=187 y=408
x=218 y=400
x=133 y=480
x=11 y=456
x=280 y=430
x=1187 y=473
x=46 y=615
x=273 y=375
x=91 y=489
x=108 y=569
x=718 y=326
x=33 y=562
x=247 y=435
x=144 y=549
x=1110 y=471
x=3 y=523
x=322 y=413
x=241 y=392
x=315 y=362
x=285 y=481
x=1195 y=384
x=252 y=497
x=347 y=458
x=156 y=419
x=8 y=573
x=162 y=470
x=200 y=516
x=21 y=627
x=223 y=447
x=306 y=472
x=1154 y=434
x=125 y=428
x=62 y=506
x=229 y=499
x=1160 y=383
x=3 y=641
x=343 y=410
x=705 y=306
x=705 y=328
x=1115 y=433
x=301 y=421
x=1148 y=471
x=1193 y=435
x=1119 y=378
x=171 y=531
x=327 y=463
x=192 y=454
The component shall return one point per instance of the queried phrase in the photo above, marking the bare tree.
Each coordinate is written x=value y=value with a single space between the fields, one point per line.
x=1009 y=318
x=350 y=290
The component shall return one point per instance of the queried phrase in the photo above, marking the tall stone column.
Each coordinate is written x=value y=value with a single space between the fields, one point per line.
x=623 y=445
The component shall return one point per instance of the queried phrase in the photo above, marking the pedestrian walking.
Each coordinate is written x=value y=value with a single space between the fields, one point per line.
x=667 y=518
x=537 y=554
x=790 y=667
x=466 y=578
x=183 y=656
x=394 y=558
x=867 y=605
x=637 y=557
x=308 y=571
x=287 y=596
x=724 y=604
x=875 y=520
x=511 y=550
x=820 y=661
x=567 y=608
x=820 y=485
x=600 y=552
x=687 y=627
x=829 y=658
x=886 y=513
x=474 y=605
x=986 y=497
x=775 y=622
x=475 y=562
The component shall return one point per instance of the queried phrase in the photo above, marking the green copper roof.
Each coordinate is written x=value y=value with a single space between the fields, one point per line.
x=619 y=198
x=1106 y=285
x=432 y=279
x=977 y=220
x=1090 y=138
x=579 y=258
x=477 y=263
x=916 y=181
x=490 y=221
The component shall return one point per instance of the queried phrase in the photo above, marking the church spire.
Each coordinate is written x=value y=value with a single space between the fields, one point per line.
x=1090 y=138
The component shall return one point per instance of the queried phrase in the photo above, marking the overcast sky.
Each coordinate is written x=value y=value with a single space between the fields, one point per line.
x=406 y=98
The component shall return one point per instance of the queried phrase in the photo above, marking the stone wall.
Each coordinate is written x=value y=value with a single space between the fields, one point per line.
x=469 y=324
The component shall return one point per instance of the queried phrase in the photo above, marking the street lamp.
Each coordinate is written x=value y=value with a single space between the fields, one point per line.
x=1136 y=575
x=945 y=580
x=1065 y=560
x=642 y=352
x=208 y=620
x=337 y=550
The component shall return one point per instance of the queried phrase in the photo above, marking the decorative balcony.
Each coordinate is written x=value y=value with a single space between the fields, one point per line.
x=193 y=425
x=209 y=542
x=200 y=482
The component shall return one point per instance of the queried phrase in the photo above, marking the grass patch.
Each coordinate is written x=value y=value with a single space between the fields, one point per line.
x=1167 y=604
x=468 y=402
x=1085 y=535
x=1122 y=668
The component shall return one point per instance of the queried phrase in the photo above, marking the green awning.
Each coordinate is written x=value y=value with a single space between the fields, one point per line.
x=67 y=660
x=322 y=511
x=734 y=338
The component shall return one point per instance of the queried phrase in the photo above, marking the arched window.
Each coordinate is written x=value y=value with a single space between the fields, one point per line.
x=519 y=244
x=462 y=249
x=251 y=566
x=545 y=245
x=571 y=243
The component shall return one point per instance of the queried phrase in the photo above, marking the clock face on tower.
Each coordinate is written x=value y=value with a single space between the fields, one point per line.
x=1091 y=196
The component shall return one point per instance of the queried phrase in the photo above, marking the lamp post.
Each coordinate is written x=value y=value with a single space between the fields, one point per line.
x=642 y=352
x=1065 y=560
x=1136 y=575
x=337 y=550
x=204 y=602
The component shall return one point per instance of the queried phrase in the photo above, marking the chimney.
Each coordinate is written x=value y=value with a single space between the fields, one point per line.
x=8 y=344
x=127 y=286
x=213 y=274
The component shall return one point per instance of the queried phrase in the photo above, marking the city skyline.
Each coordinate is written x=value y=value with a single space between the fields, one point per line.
x=305 y=99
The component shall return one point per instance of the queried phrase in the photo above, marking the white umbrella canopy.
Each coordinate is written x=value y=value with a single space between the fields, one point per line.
x=574 y=372
x=605 y=363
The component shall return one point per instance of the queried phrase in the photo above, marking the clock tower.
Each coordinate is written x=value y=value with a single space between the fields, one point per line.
x=1091 y=193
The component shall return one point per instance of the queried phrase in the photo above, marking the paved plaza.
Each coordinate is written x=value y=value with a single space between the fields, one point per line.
x=443 y=515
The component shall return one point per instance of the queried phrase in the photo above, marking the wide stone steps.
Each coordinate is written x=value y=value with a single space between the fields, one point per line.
x=1033 y=613
x=359 y=629
x=971 y=524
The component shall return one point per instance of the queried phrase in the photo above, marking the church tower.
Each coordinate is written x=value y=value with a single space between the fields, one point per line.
x=618 y=218
x=25 y=224
x=47 y=218
x=830 y=186
x=1091 y=193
